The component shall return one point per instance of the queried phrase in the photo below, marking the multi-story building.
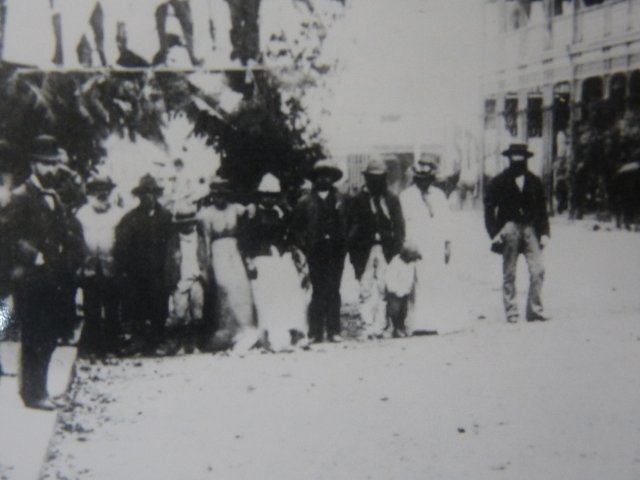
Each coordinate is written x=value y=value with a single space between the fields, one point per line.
x=545 y=63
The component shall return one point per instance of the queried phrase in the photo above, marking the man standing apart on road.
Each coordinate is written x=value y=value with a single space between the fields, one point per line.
x=376 y=235
x=320 y=226
x=47 y=250
x=140 y=255
x=517 y=221
x=427 y=220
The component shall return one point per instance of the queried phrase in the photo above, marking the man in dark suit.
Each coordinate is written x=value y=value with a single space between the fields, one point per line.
x=47 y=250
x=376 y=235
x=320 y=227
x=517 y=221
x=140 y=257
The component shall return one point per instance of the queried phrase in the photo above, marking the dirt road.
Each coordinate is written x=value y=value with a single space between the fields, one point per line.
x=492 y=400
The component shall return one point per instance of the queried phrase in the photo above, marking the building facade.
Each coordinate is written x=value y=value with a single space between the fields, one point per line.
x=551 y=69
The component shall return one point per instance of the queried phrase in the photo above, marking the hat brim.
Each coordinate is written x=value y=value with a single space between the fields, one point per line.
x=335 y=173
x=58 y=157
x=375 y=173
x=512 y=153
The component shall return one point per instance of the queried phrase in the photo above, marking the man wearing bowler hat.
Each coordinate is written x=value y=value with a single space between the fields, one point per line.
x=320 y=226
x=47 y=250
x=140 y=254
x=376 y=235
x=517 y=221
x=101 y=294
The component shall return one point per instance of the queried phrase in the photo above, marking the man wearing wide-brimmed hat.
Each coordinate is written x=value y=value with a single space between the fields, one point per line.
x=140 y=255
x=428 y=226
x=46 y=250
x=376 y=235
x=321 y=229
x=101 y=294
x=515 y=212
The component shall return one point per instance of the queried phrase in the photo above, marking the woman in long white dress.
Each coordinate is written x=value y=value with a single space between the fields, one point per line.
x=234 y=302
x=280 y=300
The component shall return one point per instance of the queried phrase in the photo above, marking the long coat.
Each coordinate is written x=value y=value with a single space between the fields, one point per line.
x=504 y=202
x=140 y=249
x=34 y=227
x=364 y=225
x=308 y=228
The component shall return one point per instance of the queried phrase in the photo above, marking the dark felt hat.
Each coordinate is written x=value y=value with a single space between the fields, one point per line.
x=100 y=183
x=326 y=166
x=147 y=184
x=518 y=150
x=46 y=148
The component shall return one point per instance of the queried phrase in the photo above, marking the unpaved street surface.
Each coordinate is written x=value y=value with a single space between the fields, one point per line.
x=489 y=400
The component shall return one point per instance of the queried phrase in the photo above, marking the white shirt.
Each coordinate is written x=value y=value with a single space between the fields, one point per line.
x=99 y=228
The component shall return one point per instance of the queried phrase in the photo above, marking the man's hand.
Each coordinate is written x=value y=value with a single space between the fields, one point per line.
x=544 y=241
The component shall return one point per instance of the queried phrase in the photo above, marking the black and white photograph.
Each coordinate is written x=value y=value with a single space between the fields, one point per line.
x=319 y=239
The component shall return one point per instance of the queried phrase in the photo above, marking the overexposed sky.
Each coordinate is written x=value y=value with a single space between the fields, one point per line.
x=408 y=71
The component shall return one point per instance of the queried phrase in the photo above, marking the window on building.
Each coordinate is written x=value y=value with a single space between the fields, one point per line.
x=511 y=116
x=589 y=3
x=534 y=117
x=489 y=114
x=634 y=90
x=592 y=93
x=618 y=94
x=561 y=106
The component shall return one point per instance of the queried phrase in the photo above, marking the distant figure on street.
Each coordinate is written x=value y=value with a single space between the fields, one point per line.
x=517 y=221
x=280 y=299
x=376 y=234
x=233 y=310
x=140 y=255
x=101 y=292
x=320 y=226
x=188 y=279
x=561 y=171
x=47 y=250
x=428 y=227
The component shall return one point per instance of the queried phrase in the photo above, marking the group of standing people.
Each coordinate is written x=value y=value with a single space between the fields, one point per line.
x=217 y=274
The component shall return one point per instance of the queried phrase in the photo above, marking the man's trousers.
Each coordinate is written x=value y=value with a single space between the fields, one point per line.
x=326 y=262
x=519 y=238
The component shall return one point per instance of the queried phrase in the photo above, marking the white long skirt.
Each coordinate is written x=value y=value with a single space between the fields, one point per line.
x=281 y=302
x=437 y=304
x=234 y=299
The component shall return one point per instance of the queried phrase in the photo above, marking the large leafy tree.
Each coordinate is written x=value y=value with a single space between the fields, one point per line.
x=269 y=131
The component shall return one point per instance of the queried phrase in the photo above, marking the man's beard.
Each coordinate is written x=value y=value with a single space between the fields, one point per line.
x=518 y=169
x=48 y=180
